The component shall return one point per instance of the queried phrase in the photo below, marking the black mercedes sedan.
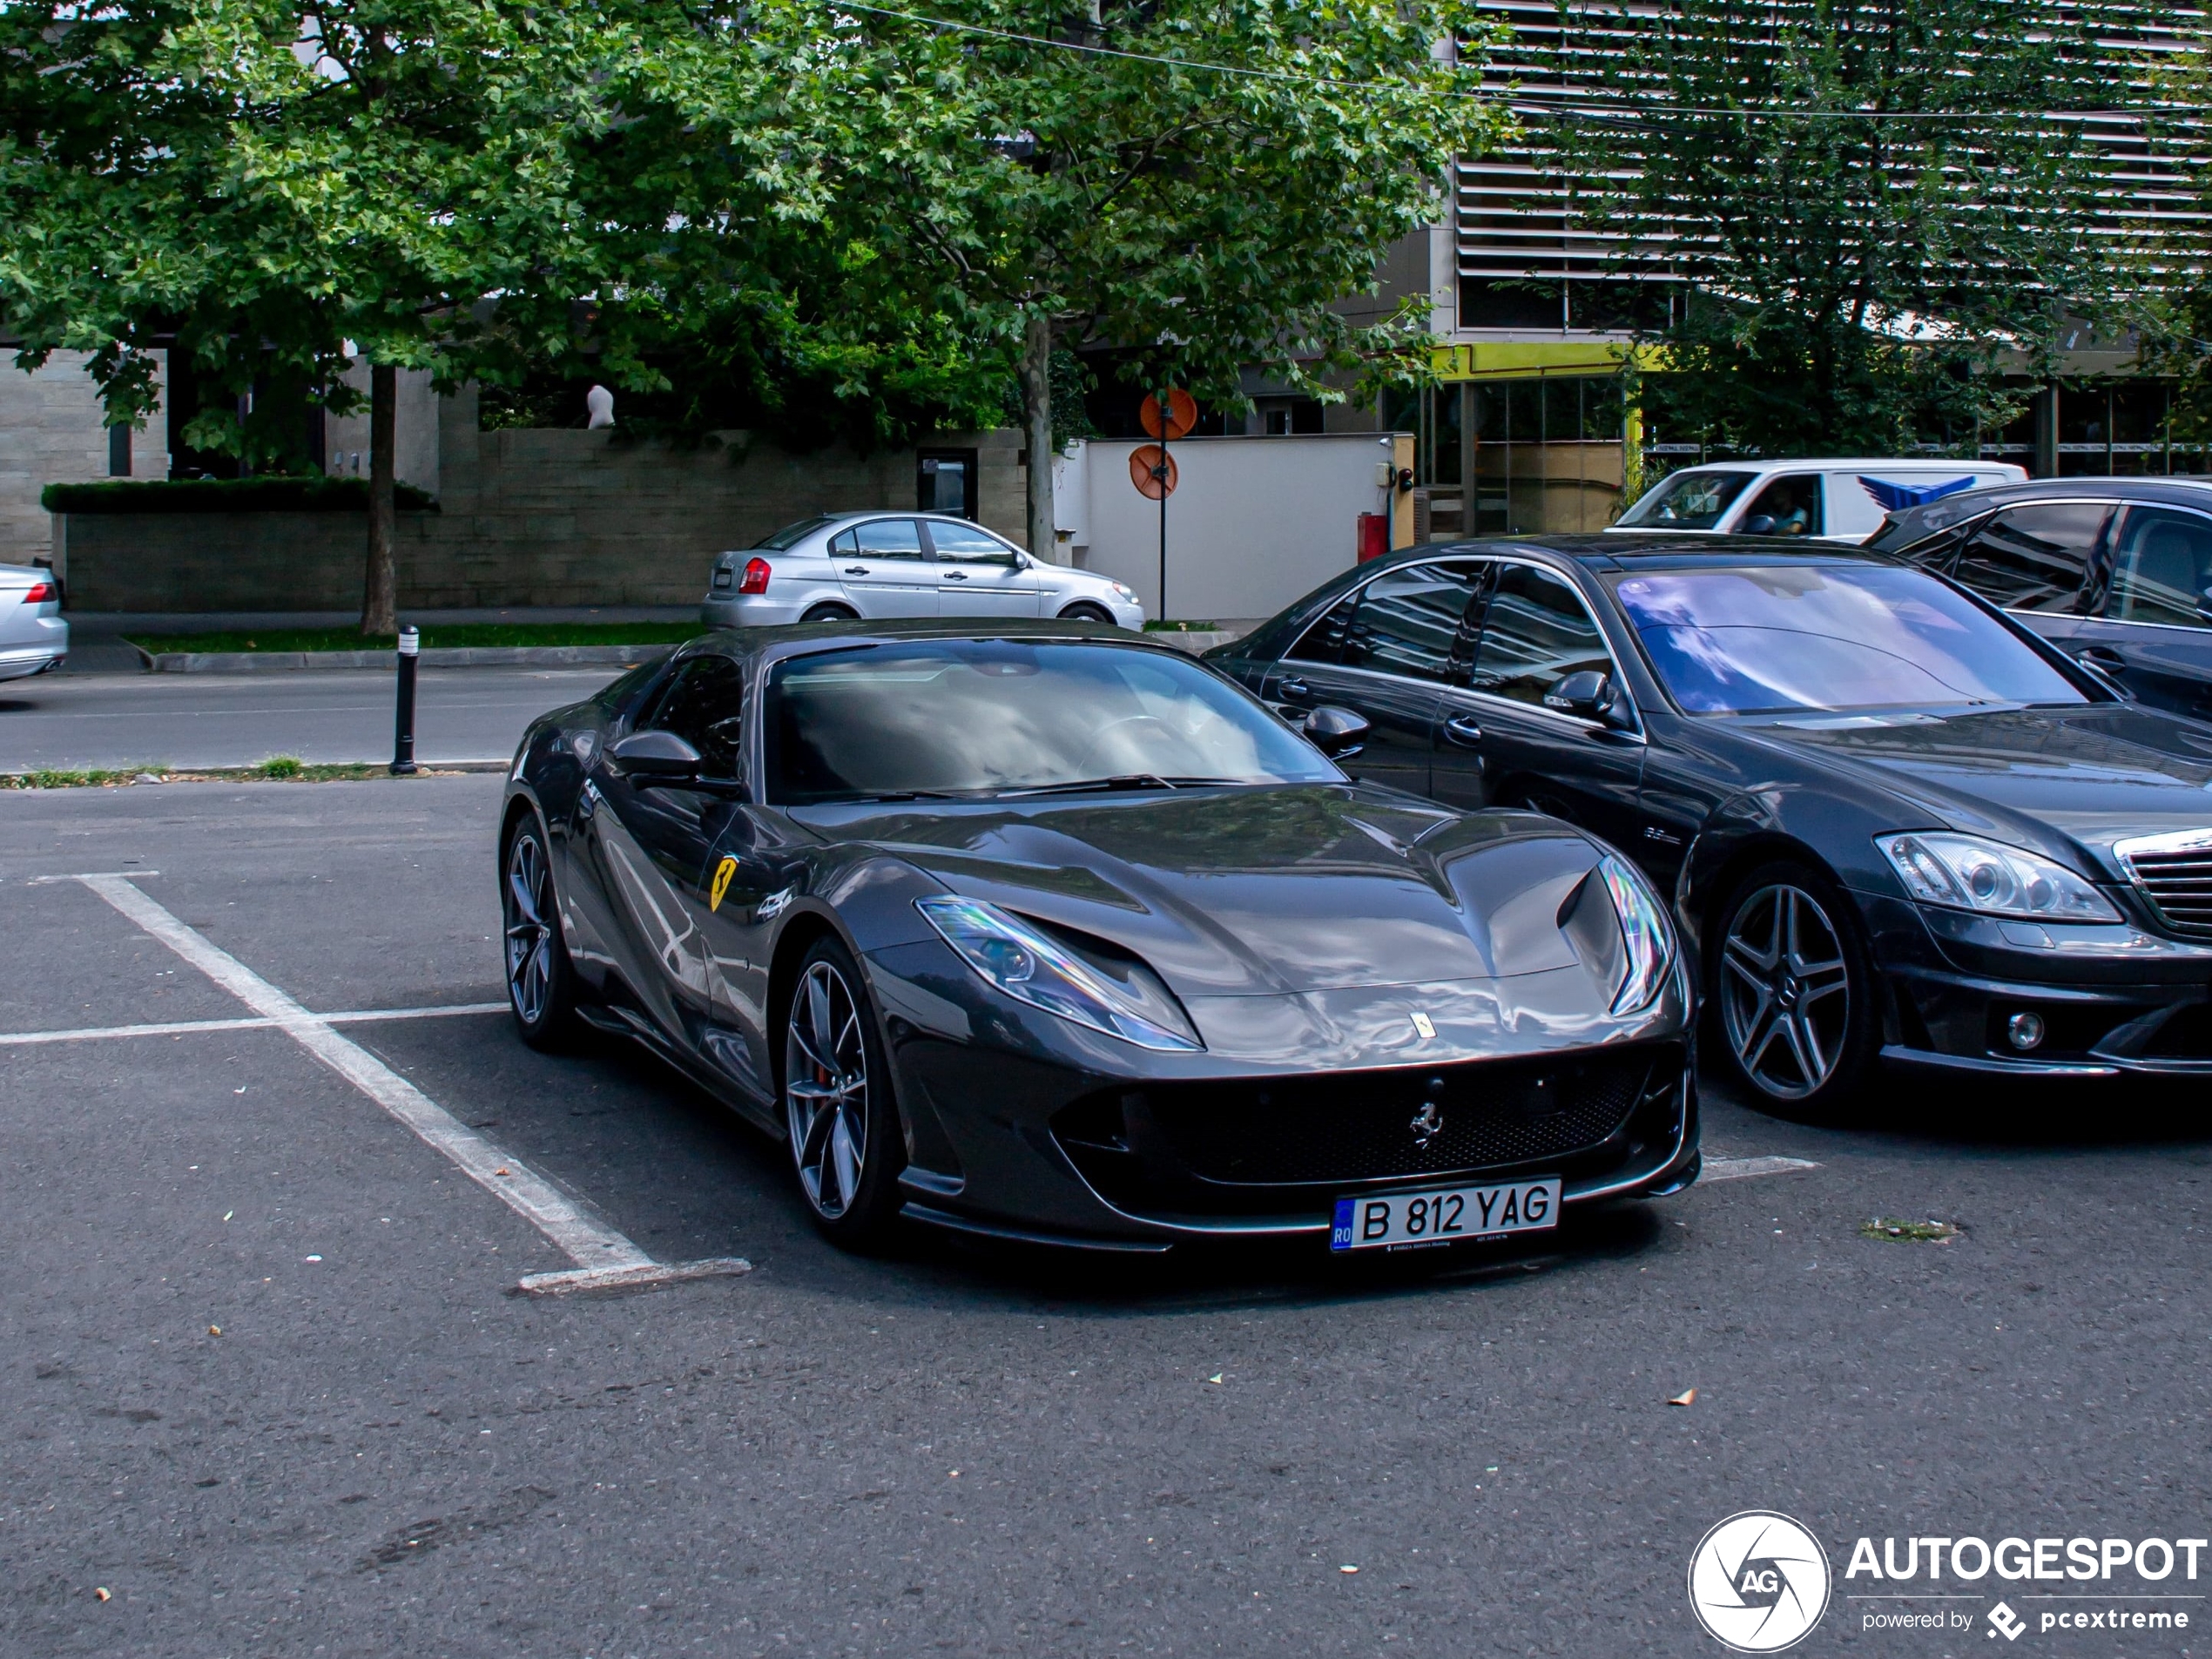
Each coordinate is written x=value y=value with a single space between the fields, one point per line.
x=1895 y=823
x=1040 y=930
x=2116 y=572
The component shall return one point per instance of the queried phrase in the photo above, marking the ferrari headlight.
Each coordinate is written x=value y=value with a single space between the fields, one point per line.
x=1029 y=966
x=1644 y=931
x=1965 y=872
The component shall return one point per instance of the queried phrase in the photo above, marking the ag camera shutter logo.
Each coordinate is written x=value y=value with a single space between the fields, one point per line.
x=1758 y=1581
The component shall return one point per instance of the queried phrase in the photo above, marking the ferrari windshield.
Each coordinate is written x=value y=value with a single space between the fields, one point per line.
x=1834 y=639
x=960 y=716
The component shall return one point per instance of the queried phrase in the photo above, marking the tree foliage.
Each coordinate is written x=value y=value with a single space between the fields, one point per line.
x=1861 y=210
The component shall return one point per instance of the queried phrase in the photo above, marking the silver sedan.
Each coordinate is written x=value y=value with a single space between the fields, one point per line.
x=33 y=637
x=878 y=565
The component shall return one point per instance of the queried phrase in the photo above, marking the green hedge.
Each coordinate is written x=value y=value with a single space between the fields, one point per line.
x=306 y=494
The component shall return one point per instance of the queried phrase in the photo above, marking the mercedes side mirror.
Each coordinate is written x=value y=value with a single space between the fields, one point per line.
x=1335 y=732
x=1588 y=695
x=655 y=757
x=1757 y=524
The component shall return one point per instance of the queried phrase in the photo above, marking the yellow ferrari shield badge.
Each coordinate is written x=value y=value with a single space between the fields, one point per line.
x=723 y=872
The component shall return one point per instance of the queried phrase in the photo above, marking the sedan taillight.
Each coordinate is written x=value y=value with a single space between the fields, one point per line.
x=756 y=576
x=39 y=593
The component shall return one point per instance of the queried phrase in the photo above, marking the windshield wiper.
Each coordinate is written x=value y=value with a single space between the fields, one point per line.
x=899 y=794
x=1087 y=785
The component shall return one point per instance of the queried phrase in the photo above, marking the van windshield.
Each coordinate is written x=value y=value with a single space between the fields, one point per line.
x=1688 y=500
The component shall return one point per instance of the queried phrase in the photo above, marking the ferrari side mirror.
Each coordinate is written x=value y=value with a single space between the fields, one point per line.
x=1336 y=731
x=654 y=757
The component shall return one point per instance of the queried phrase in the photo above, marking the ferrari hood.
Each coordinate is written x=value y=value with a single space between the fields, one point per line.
x=2091 y=776
x=1239 y=892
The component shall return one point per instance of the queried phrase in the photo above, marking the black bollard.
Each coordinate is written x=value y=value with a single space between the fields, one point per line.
x=404 y=724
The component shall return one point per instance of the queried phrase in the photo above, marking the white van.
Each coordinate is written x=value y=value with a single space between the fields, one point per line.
x=1830 y=501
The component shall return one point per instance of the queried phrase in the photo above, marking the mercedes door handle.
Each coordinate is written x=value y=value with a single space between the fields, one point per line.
x=1295 y=690
x=1461 y=729
x=856 y=569
x=955 y=576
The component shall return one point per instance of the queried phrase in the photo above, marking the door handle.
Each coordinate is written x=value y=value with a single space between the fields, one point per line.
x=2103 y=658
x=856 y=569
x=1462 y=729
x=955 y=576
x=1296 y=690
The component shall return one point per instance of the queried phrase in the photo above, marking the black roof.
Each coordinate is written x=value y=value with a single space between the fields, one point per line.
x=1904 y=528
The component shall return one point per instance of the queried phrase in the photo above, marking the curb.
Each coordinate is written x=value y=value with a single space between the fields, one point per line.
x=263 y=662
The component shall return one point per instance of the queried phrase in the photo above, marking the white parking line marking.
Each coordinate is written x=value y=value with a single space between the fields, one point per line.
x=184 y=1028
x=593 y=1245
x=1737 y=1169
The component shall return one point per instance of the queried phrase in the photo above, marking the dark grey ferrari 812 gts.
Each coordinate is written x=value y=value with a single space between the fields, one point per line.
x=1042 y=932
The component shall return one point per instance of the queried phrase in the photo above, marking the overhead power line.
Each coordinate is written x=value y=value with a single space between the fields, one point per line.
x=1522 y=103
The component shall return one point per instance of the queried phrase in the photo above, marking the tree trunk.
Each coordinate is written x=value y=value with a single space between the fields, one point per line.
x=1036 y=416
x=379 y=609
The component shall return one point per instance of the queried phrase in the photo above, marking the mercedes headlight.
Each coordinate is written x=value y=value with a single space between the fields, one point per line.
x=1644 y=930
x=1022 y=961
x=1965 y=872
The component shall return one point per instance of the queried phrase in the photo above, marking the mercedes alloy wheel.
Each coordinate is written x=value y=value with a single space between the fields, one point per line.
x=1793 y=1005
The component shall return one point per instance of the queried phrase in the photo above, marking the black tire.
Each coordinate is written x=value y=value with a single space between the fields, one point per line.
x=541 y=980
x=830 y=1024
x=1791 y=993
x=832 y=613
x=1085 y=611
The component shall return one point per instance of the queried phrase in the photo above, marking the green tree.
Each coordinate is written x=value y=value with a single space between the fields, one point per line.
x=1194 y=182
x=1860 y=210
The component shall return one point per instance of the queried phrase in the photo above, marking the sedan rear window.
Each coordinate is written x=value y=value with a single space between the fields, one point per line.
x=1688 y=500
x=790 y=536
x=1832 y=638
x=966 y=717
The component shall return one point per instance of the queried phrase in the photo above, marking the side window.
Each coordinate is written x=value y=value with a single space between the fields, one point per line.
x=2162 y=567
x=887 y=538
x=1408 y=621
x=967 y=544
x=1790 y=506
x=704 y=705
x=1323 y=640
x=1535 y=632
x=2034 y=558
x=843 y=544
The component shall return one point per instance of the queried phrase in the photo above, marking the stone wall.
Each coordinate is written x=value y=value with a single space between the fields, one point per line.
x=52 y=430
x=528 y=517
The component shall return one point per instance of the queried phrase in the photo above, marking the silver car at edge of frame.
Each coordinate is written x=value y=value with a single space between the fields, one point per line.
x=881 y=565
x=33 y=637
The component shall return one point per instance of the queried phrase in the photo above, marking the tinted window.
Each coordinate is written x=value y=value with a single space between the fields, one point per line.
x=790 y=536
x=1324 y=639
x=1829 y=637
x=966 y=544
x=1407 y=620
x=979 y=716
x=880 y=538
x=1688 y=500
x=2162 y=567
x=1792 y=505
x=2032 y=558
x=704 y=704
x=1535 y=632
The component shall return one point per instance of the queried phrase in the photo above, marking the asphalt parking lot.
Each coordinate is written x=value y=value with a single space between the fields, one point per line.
x=271 y=1385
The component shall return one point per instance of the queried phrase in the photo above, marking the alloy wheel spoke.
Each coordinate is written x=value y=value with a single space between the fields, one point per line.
x=520 y=888
x=1757 y=1040
x=806 y=1049
x=845 y=1156
x=1793 y=1036
x=1805 y=1042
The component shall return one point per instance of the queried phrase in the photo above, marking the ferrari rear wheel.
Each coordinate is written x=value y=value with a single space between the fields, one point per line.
x=540 y=981
x=846 y=1145
x=1794 y=994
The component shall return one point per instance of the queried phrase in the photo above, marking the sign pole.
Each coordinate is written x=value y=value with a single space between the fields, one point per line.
x=1163 y=510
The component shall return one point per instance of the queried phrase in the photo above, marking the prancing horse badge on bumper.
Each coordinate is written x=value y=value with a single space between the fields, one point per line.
x=1422 y=1028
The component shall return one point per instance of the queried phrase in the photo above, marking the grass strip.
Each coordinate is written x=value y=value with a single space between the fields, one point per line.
x=449 y=637
x=277 y=768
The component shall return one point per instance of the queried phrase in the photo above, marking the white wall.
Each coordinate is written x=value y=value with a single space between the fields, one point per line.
x=1254 y=523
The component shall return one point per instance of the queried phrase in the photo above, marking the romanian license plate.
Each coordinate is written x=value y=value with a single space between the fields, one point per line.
x=1449 y=1216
